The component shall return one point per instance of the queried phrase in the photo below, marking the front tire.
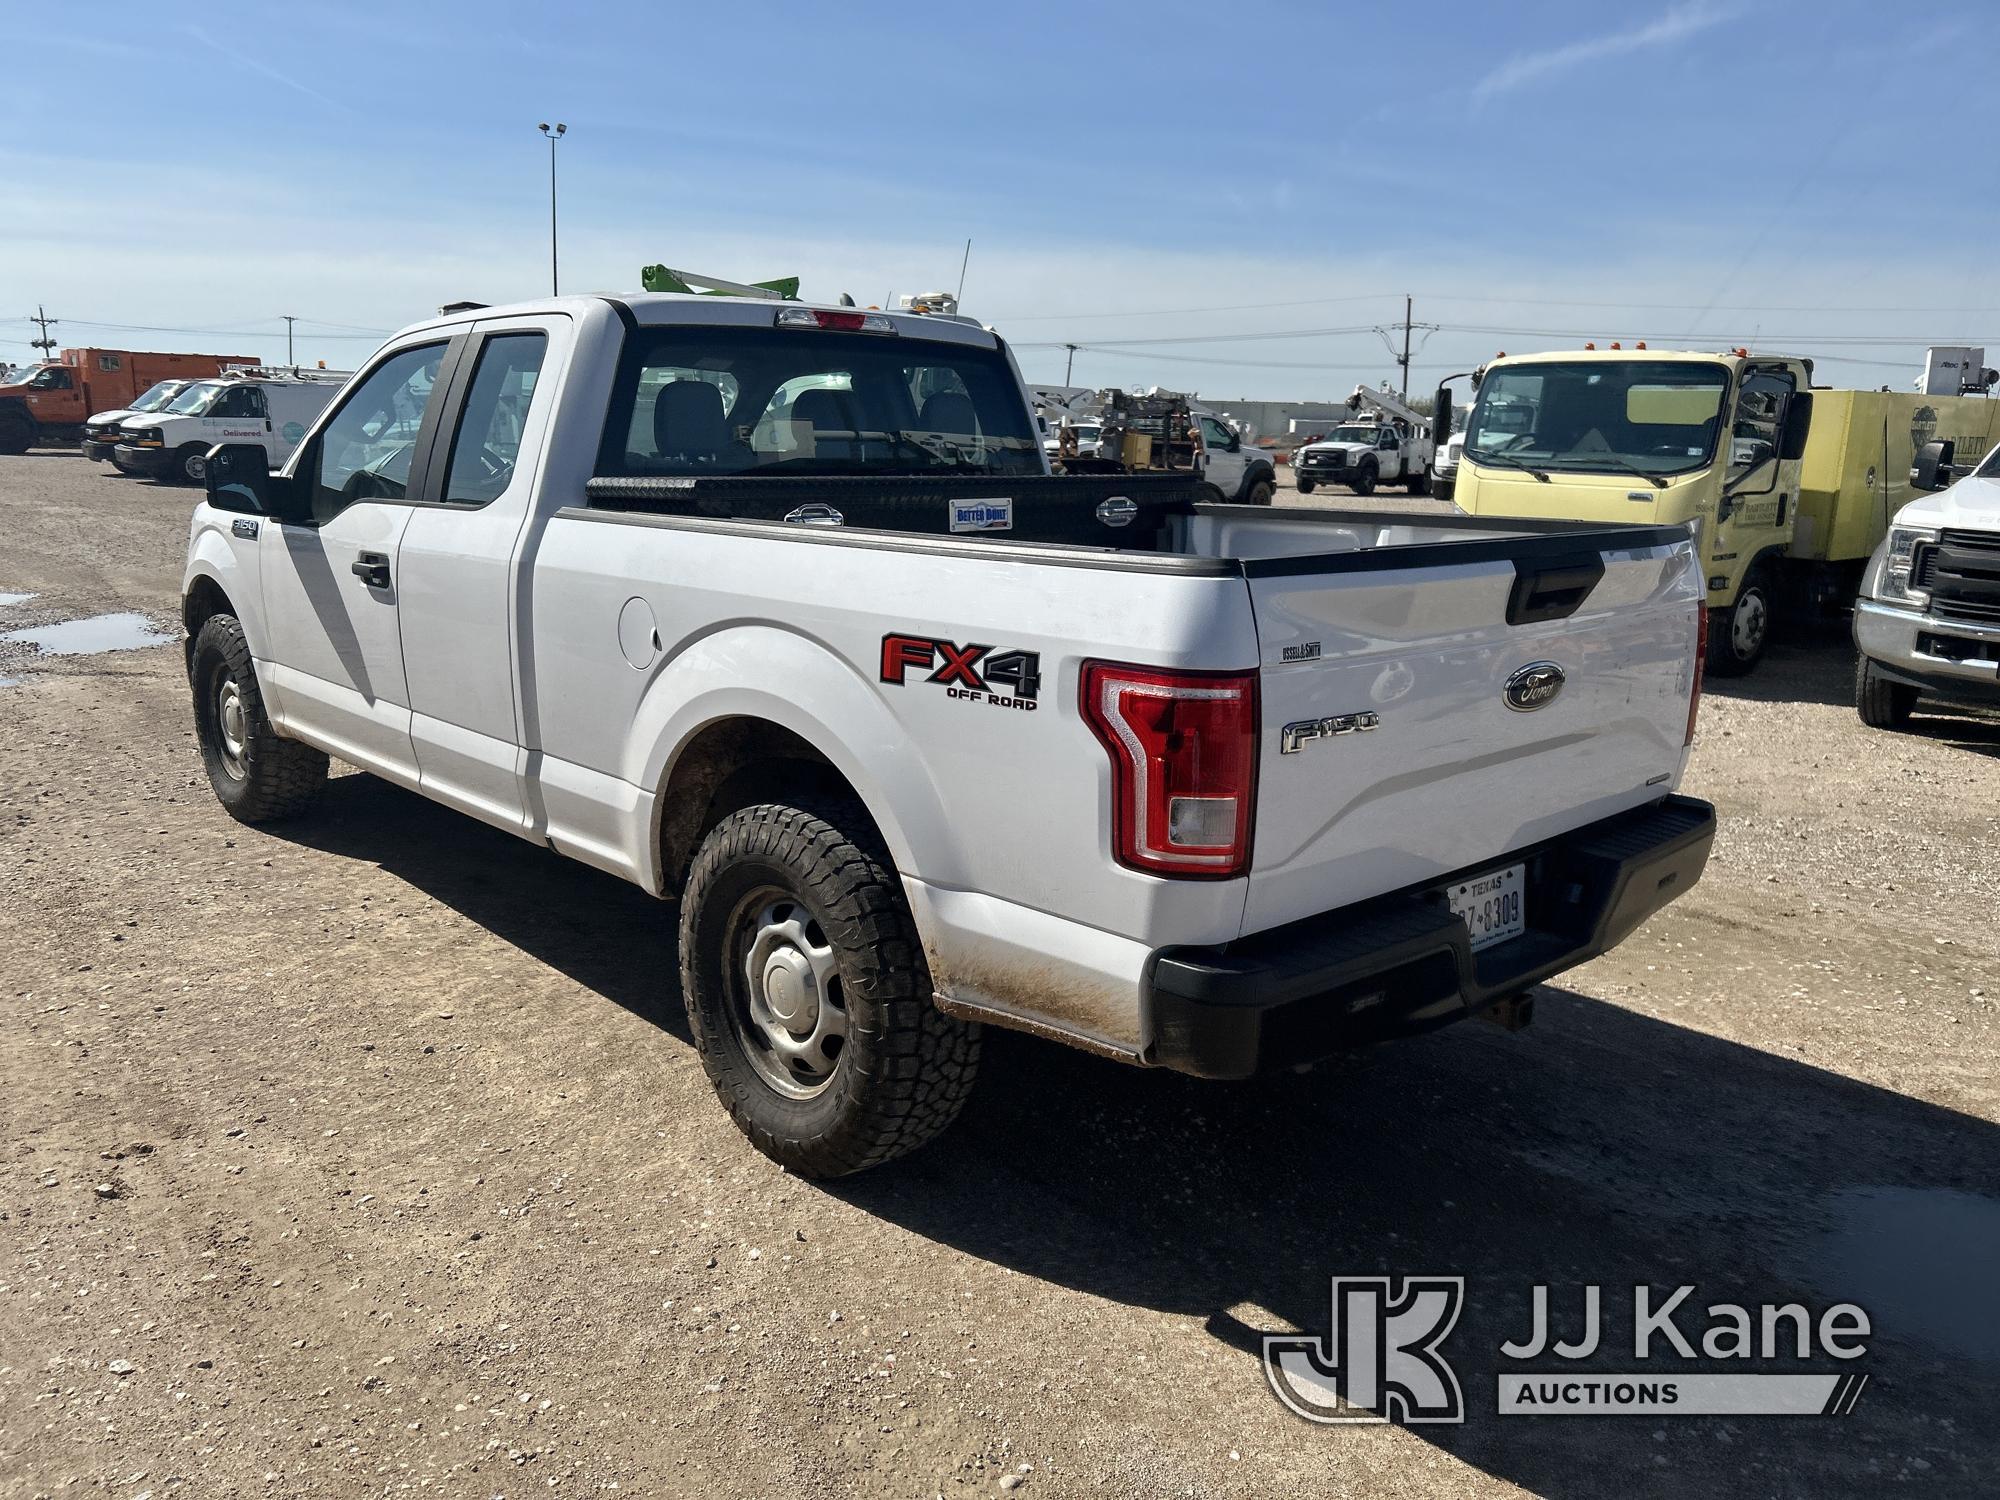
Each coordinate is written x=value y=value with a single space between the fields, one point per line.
x=1739 y=634
x=1259 y=491
x=1882 y=702
x=190 y=464
x=1363 y=482
x=808 y=994
x=1305 y=485
x=15 y=433
x=257 y=775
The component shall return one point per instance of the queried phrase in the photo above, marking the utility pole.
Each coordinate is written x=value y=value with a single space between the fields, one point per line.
x=289 y=321
x=964 y=261
x=555 y=281
x=1068 y=360
x=46 y=344
x=1404 y=394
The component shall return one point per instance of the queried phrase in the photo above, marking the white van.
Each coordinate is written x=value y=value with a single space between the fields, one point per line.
x=270 y=408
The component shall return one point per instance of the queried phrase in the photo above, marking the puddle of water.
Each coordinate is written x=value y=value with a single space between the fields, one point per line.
x=1920 y=1260
x=7 y=682
x=90 y=636
x=6 y=599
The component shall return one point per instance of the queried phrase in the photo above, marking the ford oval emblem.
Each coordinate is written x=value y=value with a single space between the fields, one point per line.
x=1534 y=686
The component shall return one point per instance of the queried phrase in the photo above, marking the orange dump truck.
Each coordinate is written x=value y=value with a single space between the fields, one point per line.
x=47 y=403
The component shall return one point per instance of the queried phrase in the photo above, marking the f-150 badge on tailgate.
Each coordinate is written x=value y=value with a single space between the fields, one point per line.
x=1294 y=737
x=1534 y=686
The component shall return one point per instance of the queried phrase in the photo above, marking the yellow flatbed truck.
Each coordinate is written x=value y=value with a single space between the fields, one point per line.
x=1790 y=487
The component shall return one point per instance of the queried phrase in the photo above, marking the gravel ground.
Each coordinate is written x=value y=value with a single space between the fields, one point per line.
x=370 y=1156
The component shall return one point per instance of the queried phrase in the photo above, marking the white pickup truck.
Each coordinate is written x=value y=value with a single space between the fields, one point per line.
x=1927 y=624
x=776 y=610
x=1362 y=454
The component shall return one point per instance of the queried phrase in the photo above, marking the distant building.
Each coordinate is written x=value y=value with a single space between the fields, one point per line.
x=1278 y=421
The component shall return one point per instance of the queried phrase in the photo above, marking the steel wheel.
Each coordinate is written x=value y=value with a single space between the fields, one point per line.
x=232 y=733
x=791 y=1017
x=1748 y=623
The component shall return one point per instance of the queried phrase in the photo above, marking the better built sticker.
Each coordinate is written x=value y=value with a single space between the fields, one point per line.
x=982 y=515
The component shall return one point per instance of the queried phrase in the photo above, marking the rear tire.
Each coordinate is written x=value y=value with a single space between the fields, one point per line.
x=1363 y=482
x=258 y=776
x=1882 y=702
x=1305 y=485
x=1738 y=635
x=1418 y=483
x=794 y=932
x=15 y=433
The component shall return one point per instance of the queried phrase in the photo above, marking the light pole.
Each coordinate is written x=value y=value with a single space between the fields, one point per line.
x=555 y=283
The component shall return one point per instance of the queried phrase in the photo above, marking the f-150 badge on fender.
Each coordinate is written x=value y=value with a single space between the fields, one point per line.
x=1534 y=686
x=1294 y=737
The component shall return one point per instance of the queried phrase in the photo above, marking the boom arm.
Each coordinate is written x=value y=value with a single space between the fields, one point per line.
x=1387 y=404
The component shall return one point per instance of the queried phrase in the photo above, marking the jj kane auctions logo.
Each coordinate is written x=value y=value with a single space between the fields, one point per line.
x=1383 y=1359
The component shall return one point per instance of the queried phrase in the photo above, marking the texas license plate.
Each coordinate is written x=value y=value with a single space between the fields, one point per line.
x=1491 y=905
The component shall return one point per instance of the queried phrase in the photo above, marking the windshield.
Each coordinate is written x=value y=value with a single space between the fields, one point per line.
x=1657 y=416
x=157 y=397
x=792 y=401
x=1351 y=435
x=193 y=400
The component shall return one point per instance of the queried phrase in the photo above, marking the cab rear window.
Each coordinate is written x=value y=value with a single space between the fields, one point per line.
x=708 y=402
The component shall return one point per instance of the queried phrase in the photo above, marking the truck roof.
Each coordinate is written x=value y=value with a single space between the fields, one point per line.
x=1671 y=356
x=658 y=309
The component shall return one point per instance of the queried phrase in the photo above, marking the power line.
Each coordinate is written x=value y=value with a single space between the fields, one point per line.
x=1175 y=312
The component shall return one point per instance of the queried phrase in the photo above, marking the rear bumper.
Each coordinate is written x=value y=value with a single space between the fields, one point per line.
x=1944 y=657
x=1404 y=964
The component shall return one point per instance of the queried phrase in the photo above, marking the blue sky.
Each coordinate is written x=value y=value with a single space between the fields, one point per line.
x=1254 y=186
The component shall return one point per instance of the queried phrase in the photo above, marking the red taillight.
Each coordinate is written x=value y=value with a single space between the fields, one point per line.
x=1700 y=662
x=1183 y=748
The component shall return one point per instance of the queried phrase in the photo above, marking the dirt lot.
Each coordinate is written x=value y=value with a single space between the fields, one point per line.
x=370 y=1156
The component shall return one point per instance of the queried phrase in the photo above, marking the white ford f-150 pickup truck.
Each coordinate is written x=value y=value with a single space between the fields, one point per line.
x=776 y=610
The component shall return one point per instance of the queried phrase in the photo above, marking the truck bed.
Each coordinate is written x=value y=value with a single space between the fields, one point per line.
x=1171 y=516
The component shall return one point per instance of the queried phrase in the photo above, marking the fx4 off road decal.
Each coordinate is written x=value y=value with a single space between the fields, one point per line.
x=976 y=673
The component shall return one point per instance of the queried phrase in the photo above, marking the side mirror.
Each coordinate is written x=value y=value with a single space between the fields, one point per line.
x=1235 y=443
x=1932 y=470
x=1798 y=425
x=238 y=478
x=1441 y=416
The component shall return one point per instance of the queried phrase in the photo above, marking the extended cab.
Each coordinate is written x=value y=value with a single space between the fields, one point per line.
x=776 y=610
x=1928 y=620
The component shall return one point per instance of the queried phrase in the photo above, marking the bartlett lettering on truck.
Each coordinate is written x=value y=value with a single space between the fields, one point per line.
x=686 y=588
x=49 y=403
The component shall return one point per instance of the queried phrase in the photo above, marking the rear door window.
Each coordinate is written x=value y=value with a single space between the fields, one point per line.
x=488 y=442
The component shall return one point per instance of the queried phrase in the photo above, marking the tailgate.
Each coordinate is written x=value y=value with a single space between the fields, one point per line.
x=1451 y=775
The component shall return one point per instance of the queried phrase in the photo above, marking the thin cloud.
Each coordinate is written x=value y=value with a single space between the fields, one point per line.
x=257 y=66
x=1675 y=25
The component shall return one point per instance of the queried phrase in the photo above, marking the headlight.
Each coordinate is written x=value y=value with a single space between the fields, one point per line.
x=1900 y=555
